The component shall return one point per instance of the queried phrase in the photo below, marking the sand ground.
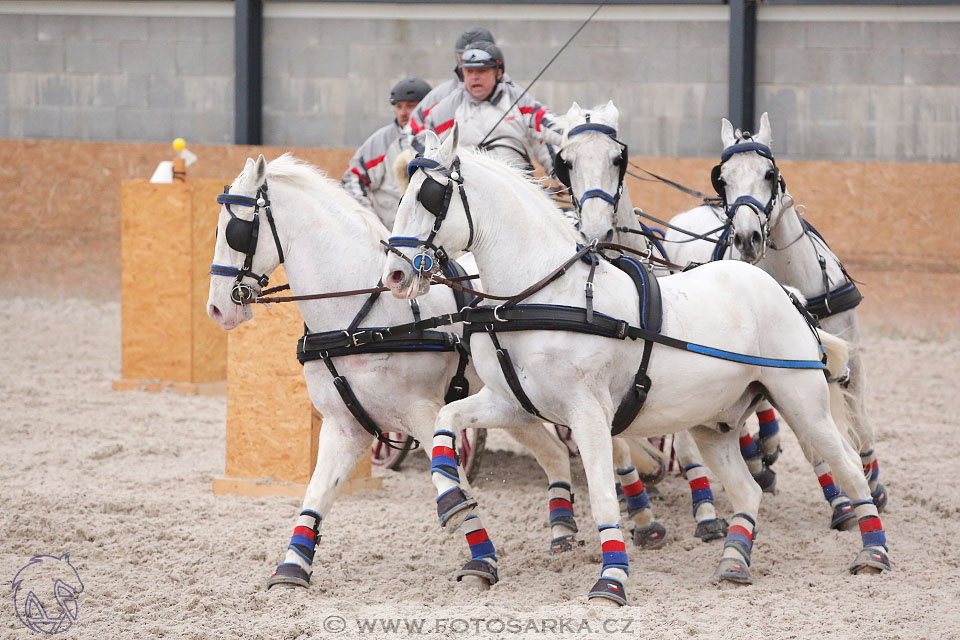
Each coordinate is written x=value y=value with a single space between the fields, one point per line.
x=122 y=481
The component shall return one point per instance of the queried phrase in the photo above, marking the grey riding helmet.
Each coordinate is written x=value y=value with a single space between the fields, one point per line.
x=471 y=35
x=482 y=55
x=409 y=90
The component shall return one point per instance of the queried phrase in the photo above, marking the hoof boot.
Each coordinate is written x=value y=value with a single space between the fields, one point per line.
x=564 y=544
x=844 y=517
x=708 y=530
x=654 y=478
x=879 y=496
x=730 y=570
x=767 y=479
x=871 y=560
x=453 y=507
x=609 y=589
x=289 y=574
x=479 y=569
x=652 y=536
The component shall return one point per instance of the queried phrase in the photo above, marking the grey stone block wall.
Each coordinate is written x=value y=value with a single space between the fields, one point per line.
x=146 y=79
x=837 y=90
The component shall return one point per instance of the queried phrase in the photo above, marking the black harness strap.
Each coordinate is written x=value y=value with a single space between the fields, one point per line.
x=632 y=402
x=510 y=374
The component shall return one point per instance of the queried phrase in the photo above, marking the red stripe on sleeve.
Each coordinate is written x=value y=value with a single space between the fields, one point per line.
x=375 y=161
x=360 y=175
x=539 y=117
x=446 y=125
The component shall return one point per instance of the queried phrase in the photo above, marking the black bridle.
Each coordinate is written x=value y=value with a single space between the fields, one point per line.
x=778 y=185
x=435 y=197
x=242 y=236
x=562 y=167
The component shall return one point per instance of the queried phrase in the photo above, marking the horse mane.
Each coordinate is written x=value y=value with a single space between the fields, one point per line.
x=300 y=174
x=523 y=179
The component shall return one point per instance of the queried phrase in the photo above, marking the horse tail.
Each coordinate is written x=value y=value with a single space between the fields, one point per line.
x=838 y=354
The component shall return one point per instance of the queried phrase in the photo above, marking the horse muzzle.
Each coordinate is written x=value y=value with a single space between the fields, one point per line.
x=750 y=245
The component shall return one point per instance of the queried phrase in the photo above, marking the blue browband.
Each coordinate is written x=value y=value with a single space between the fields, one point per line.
x=598 y=193
x=591 y=126
x=424 y=163
x=750 y=200
x=741 y=147
x=240 y=201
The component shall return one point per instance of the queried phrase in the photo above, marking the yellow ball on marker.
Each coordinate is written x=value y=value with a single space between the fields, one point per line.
x=179 y=144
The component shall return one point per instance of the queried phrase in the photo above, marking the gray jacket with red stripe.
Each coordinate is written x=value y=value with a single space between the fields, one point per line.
x=437 y=94
x=524 y=134
x=370 y=178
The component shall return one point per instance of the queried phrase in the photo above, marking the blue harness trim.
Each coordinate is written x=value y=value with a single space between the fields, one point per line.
x=762 y=149
x=403 y=241
x=223 y=270
x=590 y=126
x=597 y=193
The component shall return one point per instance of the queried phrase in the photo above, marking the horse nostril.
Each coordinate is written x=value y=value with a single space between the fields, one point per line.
x=756 y=239
x=609 y=236
x=215 y=312
x=396 y=277
x=737 y=242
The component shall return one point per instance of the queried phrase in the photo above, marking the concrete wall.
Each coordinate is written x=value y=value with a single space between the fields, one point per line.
x=841 y=83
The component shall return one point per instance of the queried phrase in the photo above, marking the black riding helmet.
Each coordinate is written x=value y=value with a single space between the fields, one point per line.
x=471 y=35
x=482 y=55
x=409 y=90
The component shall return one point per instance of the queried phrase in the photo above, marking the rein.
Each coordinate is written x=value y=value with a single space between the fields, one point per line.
x=262 y=299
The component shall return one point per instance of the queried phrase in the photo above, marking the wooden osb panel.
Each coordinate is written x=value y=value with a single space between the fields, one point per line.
x=269 y=425
x=156 y=277
x=209 y=356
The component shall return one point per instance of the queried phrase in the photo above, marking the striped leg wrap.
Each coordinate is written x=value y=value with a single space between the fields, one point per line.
x=751 y=454
x=306 y=534
x=769 y=433
x=444 y=456
x=700 y=493
x=871 y=529
x=871 y=468
x=481 y=548
x=739 y=540
x=831 y=493
x=614 y=550
x=561 y=506
x=638 y=504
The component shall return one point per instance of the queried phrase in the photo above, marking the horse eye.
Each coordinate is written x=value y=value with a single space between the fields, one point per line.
x=770 y=174
x=617 y=161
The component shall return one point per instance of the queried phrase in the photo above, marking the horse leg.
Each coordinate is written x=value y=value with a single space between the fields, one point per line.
x=817 y=431
x=553 y=456
x=591 y=429
x=722 y=456
x=340 y=445
x=454 y=505
x=763 y=475
x=647 y=533
x=652 y=468
x=769 y=435
x=709 y=526
x=861 y=424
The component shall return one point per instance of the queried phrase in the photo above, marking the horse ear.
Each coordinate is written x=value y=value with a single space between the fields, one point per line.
x=611 y=114
x=574 y=111
x=765 y=135
x=727 y=136
x=248 y=165
x=431 y=142
x=448 y=149
x=261 y=169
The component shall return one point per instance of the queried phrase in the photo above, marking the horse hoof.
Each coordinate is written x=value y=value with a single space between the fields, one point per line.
x=770 y=458
x=608 y=590
x=564 y=544
x=478 y=570
x=708 y=530
x=651 y=479
x=767 y=479
x=453 y=507
x=289 y=575
x=734 y=571
x=844 y=517
x=652 y=536
x=879 y=496
x=870 y=560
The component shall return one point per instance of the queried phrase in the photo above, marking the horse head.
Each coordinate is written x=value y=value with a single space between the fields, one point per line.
x=592 y=164
x=45 y=594
x=749 y=182
x=430 y=217
x=247 y=249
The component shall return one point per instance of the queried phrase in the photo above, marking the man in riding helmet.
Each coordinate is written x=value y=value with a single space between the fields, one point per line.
x=480 y=107
x=441 y=91
x=370 y=177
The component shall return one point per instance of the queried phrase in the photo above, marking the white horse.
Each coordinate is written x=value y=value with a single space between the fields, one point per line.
x=329 y=243
x=577 y=379
x=766 y=229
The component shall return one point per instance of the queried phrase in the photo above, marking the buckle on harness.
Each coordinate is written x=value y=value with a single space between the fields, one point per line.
x=361 y=338
x=496 y=315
